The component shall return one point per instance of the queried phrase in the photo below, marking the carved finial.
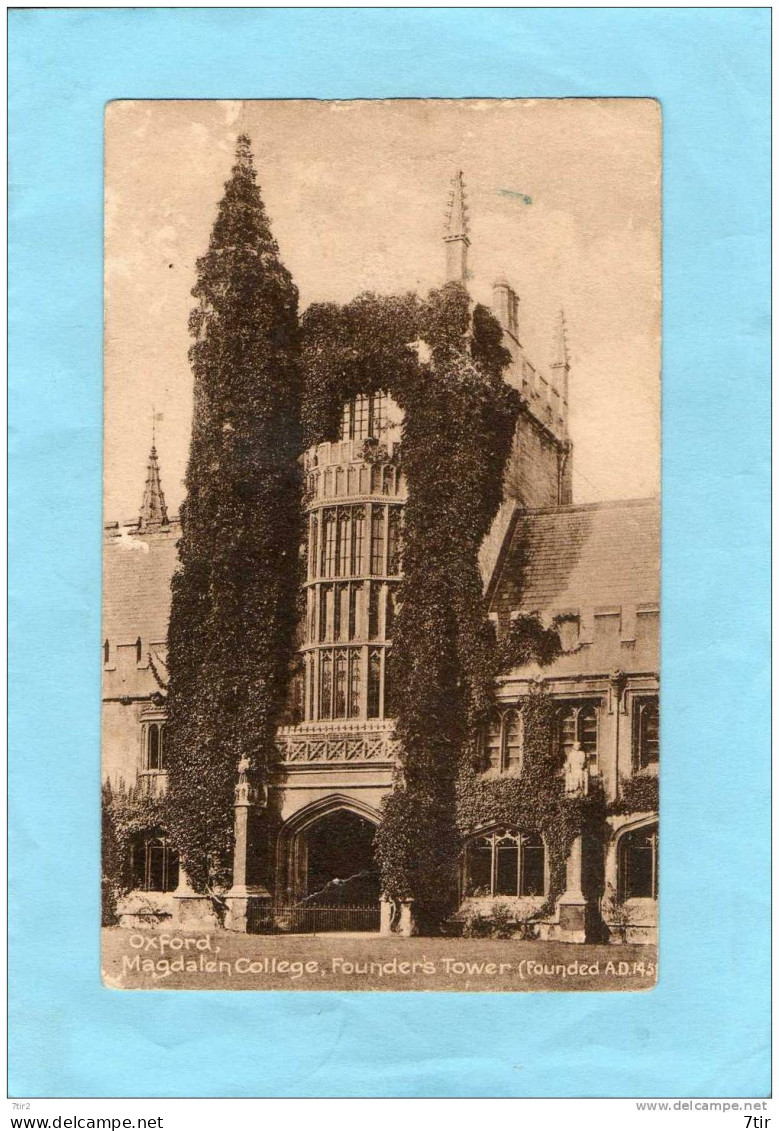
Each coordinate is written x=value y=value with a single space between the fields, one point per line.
x=457 y=212
x=153 y=509
x=560 y=358
x=456 y=232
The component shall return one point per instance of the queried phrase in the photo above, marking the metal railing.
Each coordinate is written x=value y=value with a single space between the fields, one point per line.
x=265 y=919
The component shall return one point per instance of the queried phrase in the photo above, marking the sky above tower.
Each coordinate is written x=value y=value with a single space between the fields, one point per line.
x=563 y=201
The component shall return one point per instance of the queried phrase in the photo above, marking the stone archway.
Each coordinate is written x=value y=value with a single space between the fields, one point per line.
x=325 y=855
x=341 y=868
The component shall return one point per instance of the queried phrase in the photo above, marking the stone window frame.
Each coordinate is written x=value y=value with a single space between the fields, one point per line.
x=502 y=716
x=651 y=830
x=578 y=710
x=504 y=837
x=643 y=706
x=149 y=725
x=146 y=841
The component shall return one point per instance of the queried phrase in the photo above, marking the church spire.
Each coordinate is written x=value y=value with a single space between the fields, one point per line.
x=153 y=509
x=456 y=232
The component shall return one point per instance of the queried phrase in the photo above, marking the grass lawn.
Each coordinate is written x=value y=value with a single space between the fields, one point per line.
x=221 y=960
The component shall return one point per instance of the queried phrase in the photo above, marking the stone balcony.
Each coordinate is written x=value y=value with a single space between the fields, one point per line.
x=338 y=741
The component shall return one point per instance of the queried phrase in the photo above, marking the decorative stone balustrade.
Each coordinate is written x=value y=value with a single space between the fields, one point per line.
x=345 y=742
x=343 y=451
x=336 y=472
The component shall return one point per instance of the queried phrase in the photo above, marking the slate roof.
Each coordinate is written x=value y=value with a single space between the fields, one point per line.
x=137 y=569
x=598 y=555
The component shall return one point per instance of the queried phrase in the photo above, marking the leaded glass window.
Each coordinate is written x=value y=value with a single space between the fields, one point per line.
x=505 y=862
x=377 y=540
x=374 y=684
x=358 y=539
x=638 y=863
x=393 y=541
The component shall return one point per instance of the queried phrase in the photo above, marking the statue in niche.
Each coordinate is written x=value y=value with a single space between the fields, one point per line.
x=576 y=772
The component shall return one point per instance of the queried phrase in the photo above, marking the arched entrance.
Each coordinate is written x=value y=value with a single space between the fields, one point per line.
x=328 y=879
x=340 y=865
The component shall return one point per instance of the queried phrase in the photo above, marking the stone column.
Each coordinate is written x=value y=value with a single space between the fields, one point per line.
x=242 y=895
x=386 y=912
x=572 y=905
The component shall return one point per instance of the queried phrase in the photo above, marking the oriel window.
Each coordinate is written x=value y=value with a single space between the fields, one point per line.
x=328 y=544
x=313 y=544
x=354 y=591
x=374 y=684
x=377 y=540
x=393 y=541
x=358 y=539
x=341 y=664
x=373 y=611
x=343 y=543
x=326 y=686
x=354 y=682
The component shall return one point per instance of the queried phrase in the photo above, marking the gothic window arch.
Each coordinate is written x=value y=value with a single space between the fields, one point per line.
x=154 y=753
x=577 y=723
x=377 y=540
x=328 y=544
x=341 y=668
x=358 y=539
x=505 y=861
x=343 y=552
x=503 y=740
x=646 y=732
x=638 y=860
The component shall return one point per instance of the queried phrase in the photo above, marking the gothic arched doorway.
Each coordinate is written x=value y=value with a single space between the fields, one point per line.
x=340 y=866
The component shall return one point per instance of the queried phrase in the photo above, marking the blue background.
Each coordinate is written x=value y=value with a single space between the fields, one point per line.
x=704 y=1030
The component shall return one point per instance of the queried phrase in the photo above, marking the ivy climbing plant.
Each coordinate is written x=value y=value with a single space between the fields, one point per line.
x=233 y=613
x=443 y=365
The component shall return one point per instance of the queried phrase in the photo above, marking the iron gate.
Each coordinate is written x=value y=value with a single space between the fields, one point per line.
x=266 y=919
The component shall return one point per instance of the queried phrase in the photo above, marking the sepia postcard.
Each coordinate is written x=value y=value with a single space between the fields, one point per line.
x=381 y=562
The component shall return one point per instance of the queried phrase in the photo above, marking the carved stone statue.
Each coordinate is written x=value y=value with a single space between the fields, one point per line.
x=576 y=774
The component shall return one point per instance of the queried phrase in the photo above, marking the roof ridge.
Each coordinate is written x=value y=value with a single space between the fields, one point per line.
x=604 y=504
